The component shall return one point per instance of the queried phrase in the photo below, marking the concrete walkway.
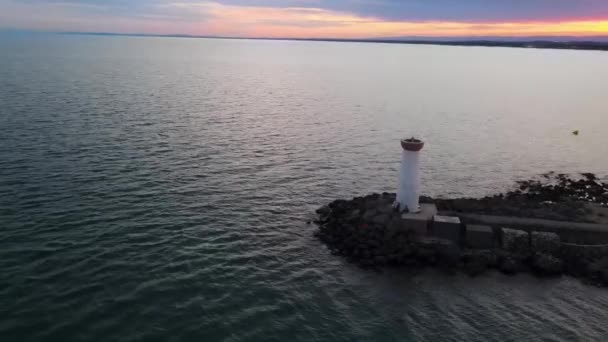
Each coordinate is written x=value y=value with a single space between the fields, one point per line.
x=573 y=232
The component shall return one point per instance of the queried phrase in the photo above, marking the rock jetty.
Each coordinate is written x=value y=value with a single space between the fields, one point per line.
x=370 y=232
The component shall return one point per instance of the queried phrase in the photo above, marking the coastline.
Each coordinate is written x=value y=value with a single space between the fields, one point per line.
x=588 y=45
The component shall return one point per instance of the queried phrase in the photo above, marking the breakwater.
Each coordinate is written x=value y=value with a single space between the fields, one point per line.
x=368 y=231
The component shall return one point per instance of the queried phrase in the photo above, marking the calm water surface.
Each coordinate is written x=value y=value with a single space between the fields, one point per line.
x=157 y=189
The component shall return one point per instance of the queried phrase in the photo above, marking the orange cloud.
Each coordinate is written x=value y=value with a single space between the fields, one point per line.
x=214 y=18
x=251 y=21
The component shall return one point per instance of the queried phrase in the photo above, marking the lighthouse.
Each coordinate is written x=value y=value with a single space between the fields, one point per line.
x=408 y=191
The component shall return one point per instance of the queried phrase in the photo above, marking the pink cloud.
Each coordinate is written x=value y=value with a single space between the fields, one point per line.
x=213 y=18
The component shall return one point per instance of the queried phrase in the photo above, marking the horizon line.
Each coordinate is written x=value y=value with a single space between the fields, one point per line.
x=563 y=38
x=601 y=38
x=596 y=43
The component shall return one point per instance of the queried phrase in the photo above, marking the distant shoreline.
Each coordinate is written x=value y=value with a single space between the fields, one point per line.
x=529 y=44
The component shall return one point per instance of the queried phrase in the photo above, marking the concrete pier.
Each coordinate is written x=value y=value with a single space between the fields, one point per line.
x=369 y=232
x=571 y=232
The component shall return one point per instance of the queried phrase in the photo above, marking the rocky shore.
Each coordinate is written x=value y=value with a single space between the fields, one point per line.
x=368 y=231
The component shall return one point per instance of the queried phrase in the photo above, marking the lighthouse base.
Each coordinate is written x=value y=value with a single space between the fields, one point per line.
x=417 y=223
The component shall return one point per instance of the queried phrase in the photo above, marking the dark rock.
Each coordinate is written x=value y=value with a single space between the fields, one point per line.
x=477 y=261
x=374 y=243
x=369 y=215
x=545 y=242
x=426 y=199
x=366 y=253
x=366 y=262
x=380 y=260
x=571 y=251
x=337 y=205
x=475 y=267
x=598 y=271
x=385 y=208
x=396 y=226
x=576 y=267
x=516 y=241
x=510 y=265
x=425 y=255
x=324 y=210
x=371 y=203
x=448 y=255
x=547 y=264
x=389 y=197
x=382 y=219
x=354 y=215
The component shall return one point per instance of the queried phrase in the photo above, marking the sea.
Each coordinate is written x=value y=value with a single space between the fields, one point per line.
x=158 y=189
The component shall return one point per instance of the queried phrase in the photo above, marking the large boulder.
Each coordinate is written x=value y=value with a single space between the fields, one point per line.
x=598 y=270
x=448 y=254
x=382 y=219
x=385 y=207
x=477 y=261
x=573 y=251
x=373 y=201
x=324 y=214
x=369 y=215
x=340 y=206
x=547 y=264
x=516 y=241
x=380 y=260
x=354 y=215
x=545 y=242
x=426 y=256
x=433 y=250
x=324 y=210
x=510 y=265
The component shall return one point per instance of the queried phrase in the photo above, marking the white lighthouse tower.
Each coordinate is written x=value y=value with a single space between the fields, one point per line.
x=408 y=192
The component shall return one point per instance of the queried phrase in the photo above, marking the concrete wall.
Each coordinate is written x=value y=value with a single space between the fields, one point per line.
x=569 y=232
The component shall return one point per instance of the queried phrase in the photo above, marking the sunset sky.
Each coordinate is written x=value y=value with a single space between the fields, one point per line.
x=313 y=18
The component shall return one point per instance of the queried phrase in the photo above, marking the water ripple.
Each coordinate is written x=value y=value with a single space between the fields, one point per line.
x=158 y=189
